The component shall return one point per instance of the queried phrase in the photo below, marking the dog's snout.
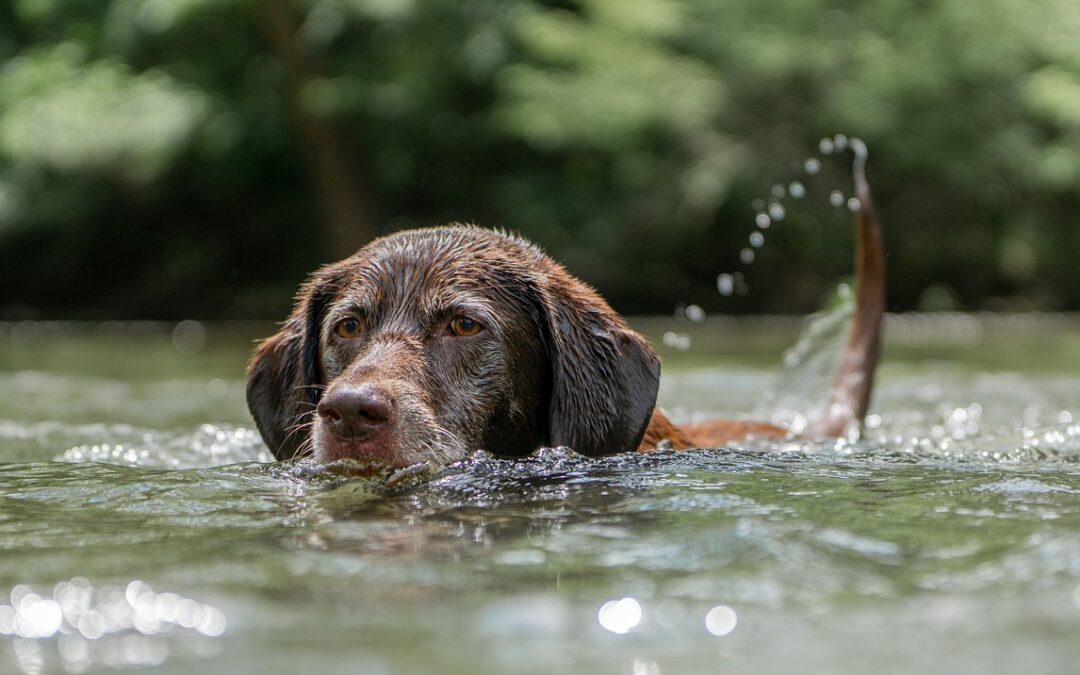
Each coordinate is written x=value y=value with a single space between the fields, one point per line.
x=356 y=412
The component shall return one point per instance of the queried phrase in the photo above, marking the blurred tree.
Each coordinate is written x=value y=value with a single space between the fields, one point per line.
x=178 y=157
x=347 y=220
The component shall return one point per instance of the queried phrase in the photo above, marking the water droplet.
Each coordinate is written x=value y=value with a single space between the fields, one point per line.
x=854 y=204
x=762 y=220
x=725 y=283
x=859 y=148
x=747 y=256
x=757 y=239
x=836 y=198
x=796 y=190
x=778 y=191
x=812 y=166
x=776 y=211
x=680 y=341
x=826 y=146
x=695 y=313
x=840 y=141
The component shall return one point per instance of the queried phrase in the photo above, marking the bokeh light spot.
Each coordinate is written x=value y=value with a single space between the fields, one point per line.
x=620 y=616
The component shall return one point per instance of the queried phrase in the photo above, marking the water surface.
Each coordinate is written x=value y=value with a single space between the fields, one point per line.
x=142 y=524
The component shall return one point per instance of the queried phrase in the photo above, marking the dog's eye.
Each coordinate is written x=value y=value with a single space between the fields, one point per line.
x=463 y=326
x=348 y=328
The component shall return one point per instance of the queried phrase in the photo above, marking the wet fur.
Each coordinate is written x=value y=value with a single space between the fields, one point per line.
x=556 y=365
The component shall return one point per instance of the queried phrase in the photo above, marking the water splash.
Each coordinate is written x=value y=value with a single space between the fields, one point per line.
x=795 y=398
x=773 y=210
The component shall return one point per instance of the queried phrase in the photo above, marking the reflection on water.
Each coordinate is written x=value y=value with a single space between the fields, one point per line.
x=620 y=616
x=108 y=626
x=142 y=525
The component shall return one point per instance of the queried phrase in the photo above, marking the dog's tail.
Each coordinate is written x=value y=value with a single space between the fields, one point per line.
x=849 y=396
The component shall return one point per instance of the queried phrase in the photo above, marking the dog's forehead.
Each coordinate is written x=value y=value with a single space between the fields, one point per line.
x=450 y=243
x=440 y=266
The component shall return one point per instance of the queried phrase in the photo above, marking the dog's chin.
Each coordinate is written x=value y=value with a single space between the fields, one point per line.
x=329 y=448
x=383 y=448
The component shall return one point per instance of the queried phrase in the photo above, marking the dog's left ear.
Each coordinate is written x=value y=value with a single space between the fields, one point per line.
x=284 y=378
x=605 y=376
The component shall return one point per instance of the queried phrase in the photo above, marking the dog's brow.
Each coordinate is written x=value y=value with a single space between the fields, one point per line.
x=473 y=307
x=349 y=308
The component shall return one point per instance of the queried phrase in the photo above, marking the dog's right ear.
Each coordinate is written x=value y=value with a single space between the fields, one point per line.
x=284 y=376
x=605 y=377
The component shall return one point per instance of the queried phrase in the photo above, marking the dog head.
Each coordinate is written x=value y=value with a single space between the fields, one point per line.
x=429 y=344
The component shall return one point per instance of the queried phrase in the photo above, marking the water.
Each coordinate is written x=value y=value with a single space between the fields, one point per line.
x=141 y=524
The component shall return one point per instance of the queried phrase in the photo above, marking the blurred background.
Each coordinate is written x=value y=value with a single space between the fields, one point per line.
x=196 y=158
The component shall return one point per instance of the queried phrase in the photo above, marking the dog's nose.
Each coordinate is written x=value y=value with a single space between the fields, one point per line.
x=354 y=413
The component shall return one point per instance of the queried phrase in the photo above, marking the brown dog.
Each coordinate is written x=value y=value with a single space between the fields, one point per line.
x=429 y=344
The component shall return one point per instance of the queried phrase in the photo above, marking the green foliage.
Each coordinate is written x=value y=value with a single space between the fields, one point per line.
x=94 y=117
x=170 y=157
x=595 y=80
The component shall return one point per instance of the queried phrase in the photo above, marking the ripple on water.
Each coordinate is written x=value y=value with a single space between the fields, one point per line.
x=952 y=521
x=667 y=547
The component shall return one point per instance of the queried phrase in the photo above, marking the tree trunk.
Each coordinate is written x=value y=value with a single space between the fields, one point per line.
x=346 y=219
